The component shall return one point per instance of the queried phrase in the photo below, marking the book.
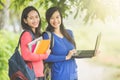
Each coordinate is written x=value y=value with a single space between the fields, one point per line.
x=33 y=43
x=42 y=46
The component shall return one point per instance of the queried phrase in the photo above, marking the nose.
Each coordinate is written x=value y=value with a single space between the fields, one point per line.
x=35 y=19
x=55 y=20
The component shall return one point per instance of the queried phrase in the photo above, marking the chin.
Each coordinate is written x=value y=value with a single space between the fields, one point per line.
x=35 y=26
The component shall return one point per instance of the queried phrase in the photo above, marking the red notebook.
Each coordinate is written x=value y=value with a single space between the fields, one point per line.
x=33 y=43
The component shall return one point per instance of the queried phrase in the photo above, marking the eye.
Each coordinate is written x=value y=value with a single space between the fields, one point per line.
x=37 y=16
x=58 y=17
x=30 y=17
x=52 y=18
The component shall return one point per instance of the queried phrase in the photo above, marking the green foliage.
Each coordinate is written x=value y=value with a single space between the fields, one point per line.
x=2 y=4
x=94 y=9
x=16 y=7
x=8 y=41
x=88 y=10
x=65 y=6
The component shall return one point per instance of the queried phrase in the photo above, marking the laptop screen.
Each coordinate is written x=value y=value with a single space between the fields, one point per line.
x=98 y=41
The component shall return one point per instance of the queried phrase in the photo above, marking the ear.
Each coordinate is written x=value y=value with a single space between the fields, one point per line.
x=25 y=20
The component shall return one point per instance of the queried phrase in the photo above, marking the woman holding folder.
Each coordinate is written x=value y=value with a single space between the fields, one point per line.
x=31 y=23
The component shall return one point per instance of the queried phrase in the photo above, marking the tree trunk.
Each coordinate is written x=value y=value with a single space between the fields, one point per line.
x=1 y=19
x=4 y=16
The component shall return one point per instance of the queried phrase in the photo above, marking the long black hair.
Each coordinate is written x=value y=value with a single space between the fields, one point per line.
x=26 y=26
x=50 y=28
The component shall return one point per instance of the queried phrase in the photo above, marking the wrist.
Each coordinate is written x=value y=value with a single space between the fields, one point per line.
x=67 y=57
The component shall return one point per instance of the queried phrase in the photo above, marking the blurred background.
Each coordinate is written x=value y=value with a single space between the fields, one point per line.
x=86 y=18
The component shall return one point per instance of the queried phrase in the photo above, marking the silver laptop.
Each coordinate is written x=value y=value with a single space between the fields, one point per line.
x=88 y=53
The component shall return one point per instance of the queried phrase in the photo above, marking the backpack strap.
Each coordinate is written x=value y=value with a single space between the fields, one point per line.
x=33 y=37
x=47 y=65
x=50 y=35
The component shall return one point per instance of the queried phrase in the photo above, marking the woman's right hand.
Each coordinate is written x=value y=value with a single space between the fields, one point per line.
x=48 y=51
x=71 y=52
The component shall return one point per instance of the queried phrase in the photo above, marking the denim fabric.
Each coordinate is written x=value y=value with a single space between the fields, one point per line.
x=40 y=78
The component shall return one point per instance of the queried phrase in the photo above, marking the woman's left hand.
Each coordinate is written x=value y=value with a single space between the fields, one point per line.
x=97 y=52
x=70 y=54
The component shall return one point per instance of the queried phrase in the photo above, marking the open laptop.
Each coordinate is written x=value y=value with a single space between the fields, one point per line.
x=88 y=53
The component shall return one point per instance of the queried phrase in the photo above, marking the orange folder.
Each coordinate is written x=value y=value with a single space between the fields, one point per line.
x=42 y=46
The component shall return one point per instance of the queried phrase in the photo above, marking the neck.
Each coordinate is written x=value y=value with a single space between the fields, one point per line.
x=33 y=29
x=58 y=33
x=57 y=30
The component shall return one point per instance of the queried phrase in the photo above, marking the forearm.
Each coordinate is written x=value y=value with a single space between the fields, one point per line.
x=55 y=58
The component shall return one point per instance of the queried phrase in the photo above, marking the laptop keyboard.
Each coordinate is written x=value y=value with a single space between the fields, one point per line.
x=84 y=54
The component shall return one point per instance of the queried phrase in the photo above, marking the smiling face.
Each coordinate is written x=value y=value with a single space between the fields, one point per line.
x=32 y=19
x=55 y=20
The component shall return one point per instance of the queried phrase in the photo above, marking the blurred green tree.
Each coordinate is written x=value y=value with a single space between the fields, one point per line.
x=91 y=9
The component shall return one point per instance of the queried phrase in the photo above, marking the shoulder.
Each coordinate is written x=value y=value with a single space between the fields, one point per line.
x=46 y=35
x=26 y=35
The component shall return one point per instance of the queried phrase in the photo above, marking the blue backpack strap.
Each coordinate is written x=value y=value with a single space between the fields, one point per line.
x=47 y=65
x=33 y=37
x=50 y=35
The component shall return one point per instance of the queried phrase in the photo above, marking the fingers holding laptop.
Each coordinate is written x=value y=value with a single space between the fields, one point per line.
x=97 y=52
x=70 y=54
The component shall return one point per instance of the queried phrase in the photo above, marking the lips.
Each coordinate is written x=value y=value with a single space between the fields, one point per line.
x=56 y=24
x=35 y=24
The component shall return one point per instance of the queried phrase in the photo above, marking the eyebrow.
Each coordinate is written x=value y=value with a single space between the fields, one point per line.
x=32 y=15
